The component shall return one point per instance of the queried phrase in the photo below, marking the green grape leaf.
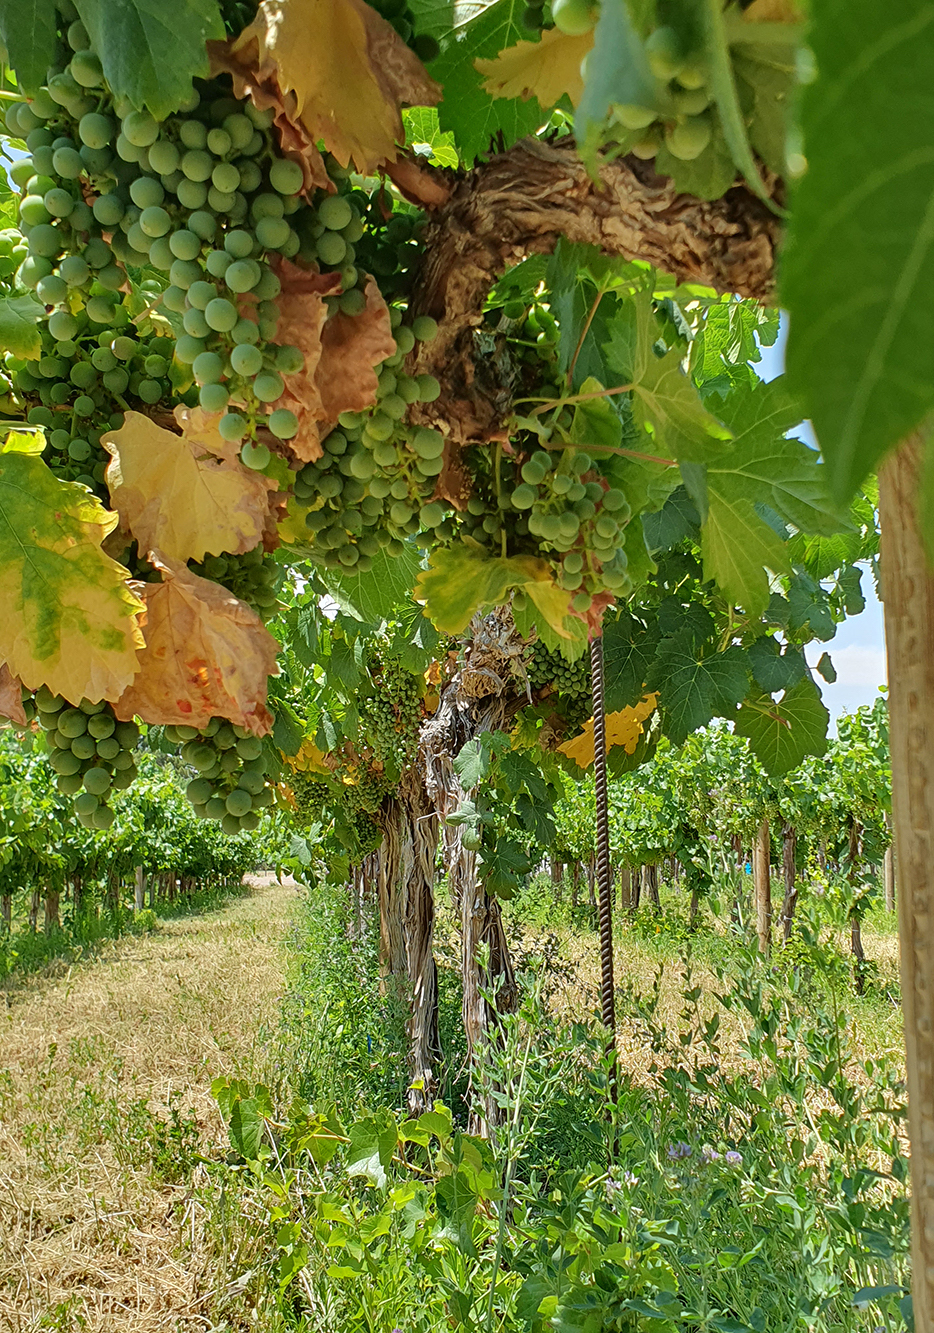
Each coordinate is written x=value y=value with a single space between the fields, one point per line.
x=459 y=582
x=677 y=519
x=863 y=224
x=19 y=317
x=782 y=734
x=535 y=820
x=617 y=72
x=501 y=866
x=664 y=400
x=692 y=692
x=707 y=176
x=422 y=131
x=371 y=1145
x=809 y=609
x=71 y=619
x=595 y=425
x=739 y=549
x=374 y=596
x=766 y=76
x=288 y=730
x=472 y=763
x=482 y=29
x=826 y=668
x=629 y=649
x=151 y=50
x=28 y=31
x=773 y=670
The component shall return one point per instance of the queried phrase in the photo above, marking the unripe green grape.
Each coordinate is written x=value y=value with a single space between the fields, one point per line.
x=185 y=245
x=188 y=348
x=283 y=424
x=33 y=269
x=192 y=194
x=59 y=203
x=244 y=332
x=242 y=275
x=146 y=192
x=221 y=315
x=155 y=221
x=267 y=289
x=332 y=249
x=164 y=157
x=200 y=293
x=140 y=128
x=352 y=303
x=268 y=386
x=213 y=397
x=688 y=139
x=112 y=277
x=219 y=201
x=208 y=368
x=425 y=328
x=225 y=177
x=139 y=240
x=52 y=290
x=126 y=151
x=246 y=360
x=85 y=68
x=286 y=176
x=62 y=325
x=197 y=165
x=149 y=390
x=33 y=211
x=272 y=232
x=116 y=381
x=232 y=427
x=335 y=212
x=217 y=262
x=254 y=456
x=160 y=254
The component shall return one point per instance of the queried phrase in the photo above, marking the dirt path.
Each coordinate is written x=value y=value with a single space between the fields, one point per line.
x=96 y=1193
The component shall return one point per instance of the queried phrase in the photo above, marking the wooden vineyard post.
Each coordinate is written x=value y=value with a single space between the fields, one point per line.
x=139 y=901
x=790 y=901
x=888 y=870
x=908 y=601
x=761 y=859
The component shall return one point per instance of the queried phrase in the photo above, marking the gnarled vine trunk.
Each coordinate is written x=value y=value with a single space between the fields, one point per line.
x=476 y=700
x=405 y=892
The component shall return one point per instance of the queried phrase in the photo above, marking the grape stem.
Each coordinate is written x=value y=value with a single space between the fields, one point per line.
x=546 y=404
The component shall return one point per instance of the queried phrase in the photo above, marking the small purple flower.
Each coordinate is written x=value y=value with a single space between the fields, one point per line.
x=733 y=1158
x=678 y=1150
x=709 y=1155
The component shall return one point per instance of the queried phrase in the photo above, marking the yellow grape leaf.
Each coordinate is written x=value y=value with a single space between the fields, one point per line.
x=459 y=582
x=309 y=759
x=23 y=442
x=347 y=69
x=206 y=654
x=11 y=698
x=173 y=498
x=69 y=615
x=547 y=70
x=623 y=728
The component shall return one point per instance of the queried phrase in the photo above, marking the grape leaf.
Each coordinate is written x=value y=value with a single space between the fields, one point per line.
x=28 y=31
x=458 y=583
x=347 y=69
x=624 y=729
x=863 y=224
x=782 y=734
x=482 y=29
x=691 y=691
x=772 y=670
x=206 y=654
x=19 y=316
x=70 y=617
x=376 y=595
x=664 y=400
x=422 y=131
x=151 y=50
x=826 y=668
x=173 y=497
x=11 y=697
x=738 y=549
x=629 y=649
x=547 y=70
x=472 y=763
x=351 y=347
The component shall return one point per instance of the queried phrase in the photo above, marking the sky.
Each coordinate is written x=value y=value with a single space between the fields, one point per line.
x=858 y=649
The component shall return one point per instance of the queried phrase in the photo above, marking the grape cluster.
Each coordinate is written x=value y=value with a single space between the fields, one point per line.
x=253 y=577
x=312 y=794
x=390 y=247
x=203 y=198
x=373 y=483
x=390 y=717
x=231 y=785
x=351 y=801
x=91 y=752
x=685 y=125
x=569 y=682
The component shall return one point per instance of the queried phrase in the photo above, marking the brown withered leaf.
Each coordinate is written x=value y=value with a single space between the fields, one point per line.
x=547 y=69
x=302 y=316
x=173 y=496
x=11 y=699
x=206 y=655
x=345 y=67
x=351 y=347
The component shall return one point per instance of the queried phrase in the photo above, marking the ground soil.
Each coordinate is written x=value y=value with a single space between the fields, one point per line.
x=95 y=1234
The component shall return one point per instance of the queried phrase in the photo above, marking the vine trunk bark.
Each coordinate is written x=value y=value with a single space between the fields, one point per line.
x=790 y=902
x=908 y=599
x=139 y=889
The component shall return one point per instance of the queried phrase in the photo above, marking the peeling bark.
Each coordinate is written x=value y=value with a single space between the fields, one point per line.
x=520 y=203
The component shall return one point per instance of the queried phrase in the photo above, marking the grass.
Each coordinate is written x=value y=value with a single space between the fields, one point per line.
x=105 y=1112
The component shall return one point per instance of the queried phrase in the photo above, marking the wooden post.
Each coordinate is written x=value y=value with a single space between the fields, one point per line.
x=856 y=929
x=625 y=888
x=790 y=902
x=651 y=887
x=761 y=870
x=34 y=910
x=6 y=910
x=888 y=870
x=908 y=600
x=51 y=920
x=139 y=900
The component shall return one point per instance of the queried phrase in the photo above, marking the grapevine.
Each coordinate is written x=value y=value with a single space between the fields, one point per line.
x=231 y=785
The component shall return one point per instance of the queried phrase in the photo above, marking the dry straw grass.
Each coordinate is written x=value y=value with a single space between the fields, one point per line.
x=90 y=1237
